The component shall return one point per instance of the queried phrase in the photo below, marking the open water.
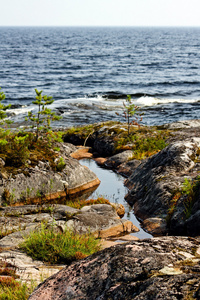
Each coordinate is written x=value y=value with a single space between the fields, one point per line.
x=89 y=71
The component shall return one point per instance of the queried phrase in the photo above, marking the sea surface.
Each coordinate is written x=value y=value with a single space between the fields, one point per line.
x=90 y=71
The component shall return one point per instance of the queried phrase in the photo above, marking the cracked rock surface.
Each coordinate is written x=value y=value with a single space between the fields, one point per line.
x=158 y=268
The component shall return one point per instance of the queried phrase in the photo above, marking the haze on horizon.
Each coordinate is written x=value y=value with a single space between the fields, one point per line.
x=100 y=13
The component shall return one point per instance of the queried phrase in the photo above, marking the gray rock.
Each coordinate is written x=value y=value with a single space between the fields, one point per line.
x=182 y=124
x=155 y=181
x=28 y=270
x=18 y=222
x=127 y=168
x=158 y=268
x=102 y=220
x=117 y=159
x=41 y=181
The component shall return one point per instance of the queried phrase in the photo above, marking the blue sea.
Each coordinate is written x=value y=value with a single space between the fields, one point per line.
x=90 y=71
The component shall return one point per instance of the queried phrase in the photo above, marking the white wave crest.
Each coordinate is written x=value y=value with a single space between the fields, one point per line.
x=151 y=101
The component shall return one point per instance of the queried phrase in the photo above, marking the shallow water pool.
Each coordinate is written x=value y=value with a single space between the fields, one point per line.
x=112 y=188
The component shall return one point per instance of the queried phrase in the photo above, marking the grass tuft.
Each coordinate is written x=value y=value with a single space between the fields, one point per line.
x=54 y=247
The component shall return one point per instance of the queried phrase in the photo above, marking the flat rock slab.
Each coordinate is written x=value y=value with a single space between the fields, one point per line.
x=157 y=268
x=100 y=219
x=18 y=222
x=28 y=269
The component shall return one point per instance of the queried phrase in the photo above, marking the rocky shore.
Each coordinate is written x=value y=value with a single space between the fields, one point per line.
x=164 y=188
x=164 y=192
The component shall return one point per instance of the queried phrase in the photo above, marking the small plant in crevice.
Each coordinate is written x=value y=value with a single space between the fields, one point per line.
x=60 y=164
x=188 y=194
x=173 y=205
x=190 y=189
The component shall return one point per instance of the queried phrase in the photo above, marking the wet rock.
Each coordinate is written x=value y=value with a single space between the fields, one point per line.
x=100 y=161
x=127 y=168
x=155 y=226
x=114 y=161
x=120 y=209
x=104 y=146
x=151 y=269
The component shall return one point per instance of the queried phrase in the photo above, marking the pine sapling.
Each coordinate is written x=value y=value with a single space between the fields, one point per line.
x=130 y=113
x=42 y=120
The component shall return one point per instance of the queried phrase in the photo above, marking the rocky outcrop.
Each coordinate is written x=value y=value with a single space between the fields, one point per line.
x=158 y=268
x=100 y=139
x=155 y=183
x=17 y=222
x=43 y=181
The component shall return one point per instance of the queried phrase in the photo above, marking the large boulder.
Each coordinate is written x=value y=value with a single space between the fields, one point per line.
x=156 y=182
x=158 y=268
x=43 y=181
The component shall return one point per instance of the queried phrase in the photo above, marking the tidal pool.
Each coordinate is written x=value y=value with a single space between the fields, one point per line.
x=112 y=188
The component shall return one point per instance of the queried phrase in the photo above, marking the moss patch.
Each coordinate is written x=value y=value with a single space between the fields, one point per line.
x=144 y=141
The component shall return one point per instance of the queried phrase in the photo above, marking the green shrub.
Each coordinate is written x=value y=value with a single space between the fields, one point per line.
x=50 y=246
x=3 y=108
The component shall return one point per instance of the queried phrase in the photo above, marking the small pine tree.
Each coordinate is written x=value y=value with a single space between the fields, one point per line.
x=42 y=120
x=131 y=113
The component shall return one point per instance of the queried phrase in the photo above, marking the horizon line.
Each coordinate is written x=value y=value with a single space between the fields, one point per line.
x=118 y=26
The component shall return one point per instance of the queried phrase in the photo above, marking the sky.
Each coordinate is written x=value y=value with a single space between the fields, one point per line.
x=100 y=13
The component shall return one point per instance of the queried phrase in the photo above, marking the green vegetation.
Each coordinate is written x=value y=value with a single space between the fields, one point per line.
x=131 y=113
x=3 y=108
x=61 y=164
x=21 y=148
x=10 y=287
x=188 y=194
x=144 y=141
x=173 y=204
x=190 y=189
x=50 y=246
x=42 y=120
